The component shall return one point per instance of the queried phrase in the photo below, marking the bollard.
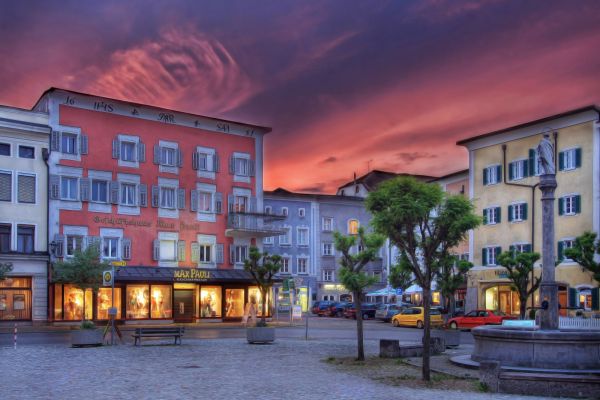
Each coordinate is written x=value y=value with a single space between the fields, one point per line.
x=15 y=337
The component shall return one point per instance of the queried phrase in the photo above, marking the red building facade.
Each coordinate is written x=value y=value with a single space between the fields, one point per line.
x=171 y=198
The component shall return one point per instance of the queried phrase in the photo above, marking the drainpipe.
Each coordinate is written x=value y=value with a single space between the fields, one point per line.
x=46 y=157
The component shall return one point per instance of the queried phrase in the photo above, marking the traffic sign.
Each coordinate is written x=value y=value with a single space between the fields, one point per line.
x=107 y=278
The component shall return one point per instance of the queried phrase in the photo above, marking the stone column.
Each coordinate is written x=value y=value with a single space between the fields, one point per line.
x=548 y=287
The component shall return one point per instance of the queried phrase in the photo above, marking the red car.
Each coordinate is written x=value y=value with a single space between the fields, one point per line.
x=477 y=318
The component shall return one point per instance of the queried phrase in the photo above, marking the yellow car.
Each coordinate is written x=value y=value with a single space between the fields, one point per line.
x=413 y=316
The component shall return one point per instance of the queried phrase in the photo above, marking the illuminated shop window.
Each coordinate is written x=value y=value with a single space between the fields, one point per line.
x=161 y=301
x=210 y=302
x=254 y=296
x=234 y=303
x=74 y=303
x=104 y=301
x=138 y=299
x=15 y=298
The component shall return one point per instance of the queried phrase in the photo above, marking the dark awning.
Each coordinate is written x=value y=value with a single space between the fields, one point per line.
x=166 y=274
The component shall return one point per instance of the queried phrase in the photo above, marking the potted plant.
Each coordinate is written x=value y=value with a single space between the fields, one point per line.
x=263 y=268
x=84 y=271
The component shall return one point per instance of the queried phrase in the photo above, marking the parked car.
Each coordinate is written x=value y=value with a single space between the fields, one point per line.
x=478 y=317
x=337 y=309
x=367 y=309
x=320 y=306
x=385 y=312
x=413 y=316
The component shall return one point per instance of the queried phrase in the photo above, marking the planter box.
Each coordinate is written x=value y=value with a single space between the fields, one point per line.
x=260 y=335
x=451 y=336
x=86 y=337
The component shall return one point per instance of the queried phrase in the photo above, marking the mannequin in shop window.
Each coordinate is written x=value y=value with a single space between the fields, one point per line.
x=250 y=312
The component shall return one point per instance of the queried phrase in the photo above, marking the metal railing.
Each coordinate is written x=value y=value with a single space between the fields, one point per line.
x=251 y=223
x=578 y=323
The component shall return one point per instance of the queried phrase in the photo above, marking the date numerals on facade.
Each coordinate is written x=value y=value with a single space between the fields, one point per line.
x=166 y=118
x=223 y=127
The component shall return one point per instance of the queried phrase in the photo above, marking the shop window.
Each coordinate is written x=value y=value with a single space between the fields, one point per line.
x=435 y=298
x=5 y=234
x=254 y=296
x=25 y=234
x=234 y=303
x=26 y=152
x=74 y=303
x=104 y=302
x=138 y=298
x=161 y=301
x=210 y=302
x=353 y=225
x=5 y=186
x=15 y=298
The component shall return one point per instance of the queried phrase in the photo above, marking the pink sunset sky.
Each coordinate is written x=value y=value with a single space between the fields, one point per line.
x=344 y=84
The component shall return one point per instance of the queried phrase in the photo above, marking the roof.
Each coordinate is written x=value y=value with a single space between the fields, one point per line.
x=373 y=178
x=591 y=107
x=281 y=192
x=167 y=274
x=451 y=175
x=266 y=129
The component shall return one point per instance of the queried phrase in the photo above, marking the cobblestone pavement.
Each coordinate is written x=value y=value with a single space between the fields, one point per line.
x=207 y=369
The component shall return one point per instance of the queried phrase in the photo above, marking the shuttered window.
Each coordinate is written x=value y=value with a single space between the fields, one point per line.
x=5 y=186
x=26 y=188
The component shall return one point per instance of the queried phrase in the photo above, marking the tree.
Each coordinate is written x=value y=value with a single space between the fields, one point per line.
x=519 y=267
x=425 y=223
x=351 y=273
x=452 y=273
x=84 y=271
x=401 y=275
x=5 y=268
x=583 y=252
x=263 y=268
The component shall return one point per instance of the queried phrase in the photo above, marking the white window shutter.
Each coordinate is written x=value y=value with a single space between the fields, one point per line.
x=54 y=187
x=232 y=165
x=116 y=148
x=231 y=254
x=156 y=250
x=219 y=256
x=181 y=250
x=195 y=256
x=181 y=198
x=230 y=199
x=126 y=248
x=141 y=152
x=157 y=159
x=251 y=168
x=55 y=141
x=179 y=158
x=84 y=189
x=155 y=196
x=194 y=200
x=143 y=195
x=83 y=144
x=60 y=245
x=195 y=160
x=114 y=192
x=219 y=203
x=215 y=166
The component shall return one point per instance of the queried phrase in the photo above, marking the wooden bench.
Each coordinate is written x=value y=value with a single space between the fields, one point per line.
x=176 y=332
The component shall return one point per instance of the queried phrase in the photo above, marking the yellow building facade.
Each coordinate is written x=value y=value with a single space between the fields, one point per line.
x=503 y=177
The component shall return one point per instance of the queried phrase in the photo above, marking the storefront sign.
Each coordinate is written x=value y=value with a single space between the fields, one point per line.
x=191 y=275
x=107 y=278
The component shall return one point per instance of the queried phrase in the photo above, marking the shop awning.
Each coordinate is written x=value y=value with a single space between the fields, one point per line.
x=166 y=274
x=418 y=289
x=383 y=292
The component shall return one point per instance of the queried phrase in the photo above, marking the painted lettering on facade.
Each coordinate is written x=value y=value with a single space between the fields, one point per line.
x=122 y=221
x=165 y=225
x=191 y=275
x=102 y=106
x=188 y=227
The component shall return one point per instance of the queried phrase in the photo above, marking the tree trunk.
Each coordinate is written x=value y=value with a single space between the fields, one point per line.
x=263 y=293
x=523 y=306
x=426 y=372
x=359 y=326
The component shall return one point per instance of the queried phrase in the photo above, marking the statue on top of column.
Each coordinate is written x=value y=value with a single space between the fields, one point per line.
x=545 y=155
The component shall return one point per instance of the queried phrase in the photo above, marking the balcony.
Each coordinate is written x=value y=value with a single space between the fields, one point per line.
x=245 y=225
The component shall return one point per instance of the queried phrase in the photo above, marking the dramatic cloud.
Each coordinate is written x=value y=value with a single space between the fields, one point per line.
x=347 y=87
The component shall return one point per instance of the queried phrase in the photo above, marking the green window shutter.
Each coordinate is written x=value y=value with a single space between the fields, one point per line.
x=577 y=204
x=561 y=161
x=511 y=249
x=485 y=220
x=484 y=256
x=498 y=215
x=524 y=211
x=485 y=177
x=531 y=162
x=511 y=169
x=595 y=299
x=572 y=300
x=498 y=252
x=561 y=202
x=577 y=158
x=510 y=213
x=499 y=173
x=561 y=249
x=528 y=248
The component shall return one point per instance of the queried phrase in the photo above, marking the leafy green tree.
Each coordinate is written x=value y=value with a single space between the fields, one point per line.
x=425 y=223
x=84 y=271
x=583 y=251
x=5 y=268
x=263 y=268
x=351 y=273
x=520 y=267
x=401 y=275
x=452 y=273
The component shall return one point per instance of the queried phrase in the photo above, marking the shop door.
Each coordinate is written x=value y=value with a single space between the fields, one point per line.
x=183 y=308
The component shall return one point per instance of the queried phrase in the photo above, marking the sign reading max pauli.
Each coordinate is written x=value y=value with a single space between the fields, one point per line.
x=191 y=275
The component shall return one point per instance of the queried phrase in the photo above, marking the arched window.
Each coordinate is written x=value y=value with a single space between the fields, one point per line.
x=353 y=225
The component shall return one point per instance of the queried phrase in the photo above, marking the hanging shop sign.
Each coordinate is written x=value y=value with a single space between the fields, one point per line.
x=191 y=275
x=107 y=278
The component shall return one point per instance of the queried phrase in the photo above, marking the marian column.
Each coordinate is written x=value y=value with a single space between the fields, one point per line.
x=548 y=287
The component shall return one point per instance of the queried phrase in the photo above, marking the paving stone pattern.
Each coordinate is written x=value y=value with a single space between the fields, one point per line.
x=207 y=369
